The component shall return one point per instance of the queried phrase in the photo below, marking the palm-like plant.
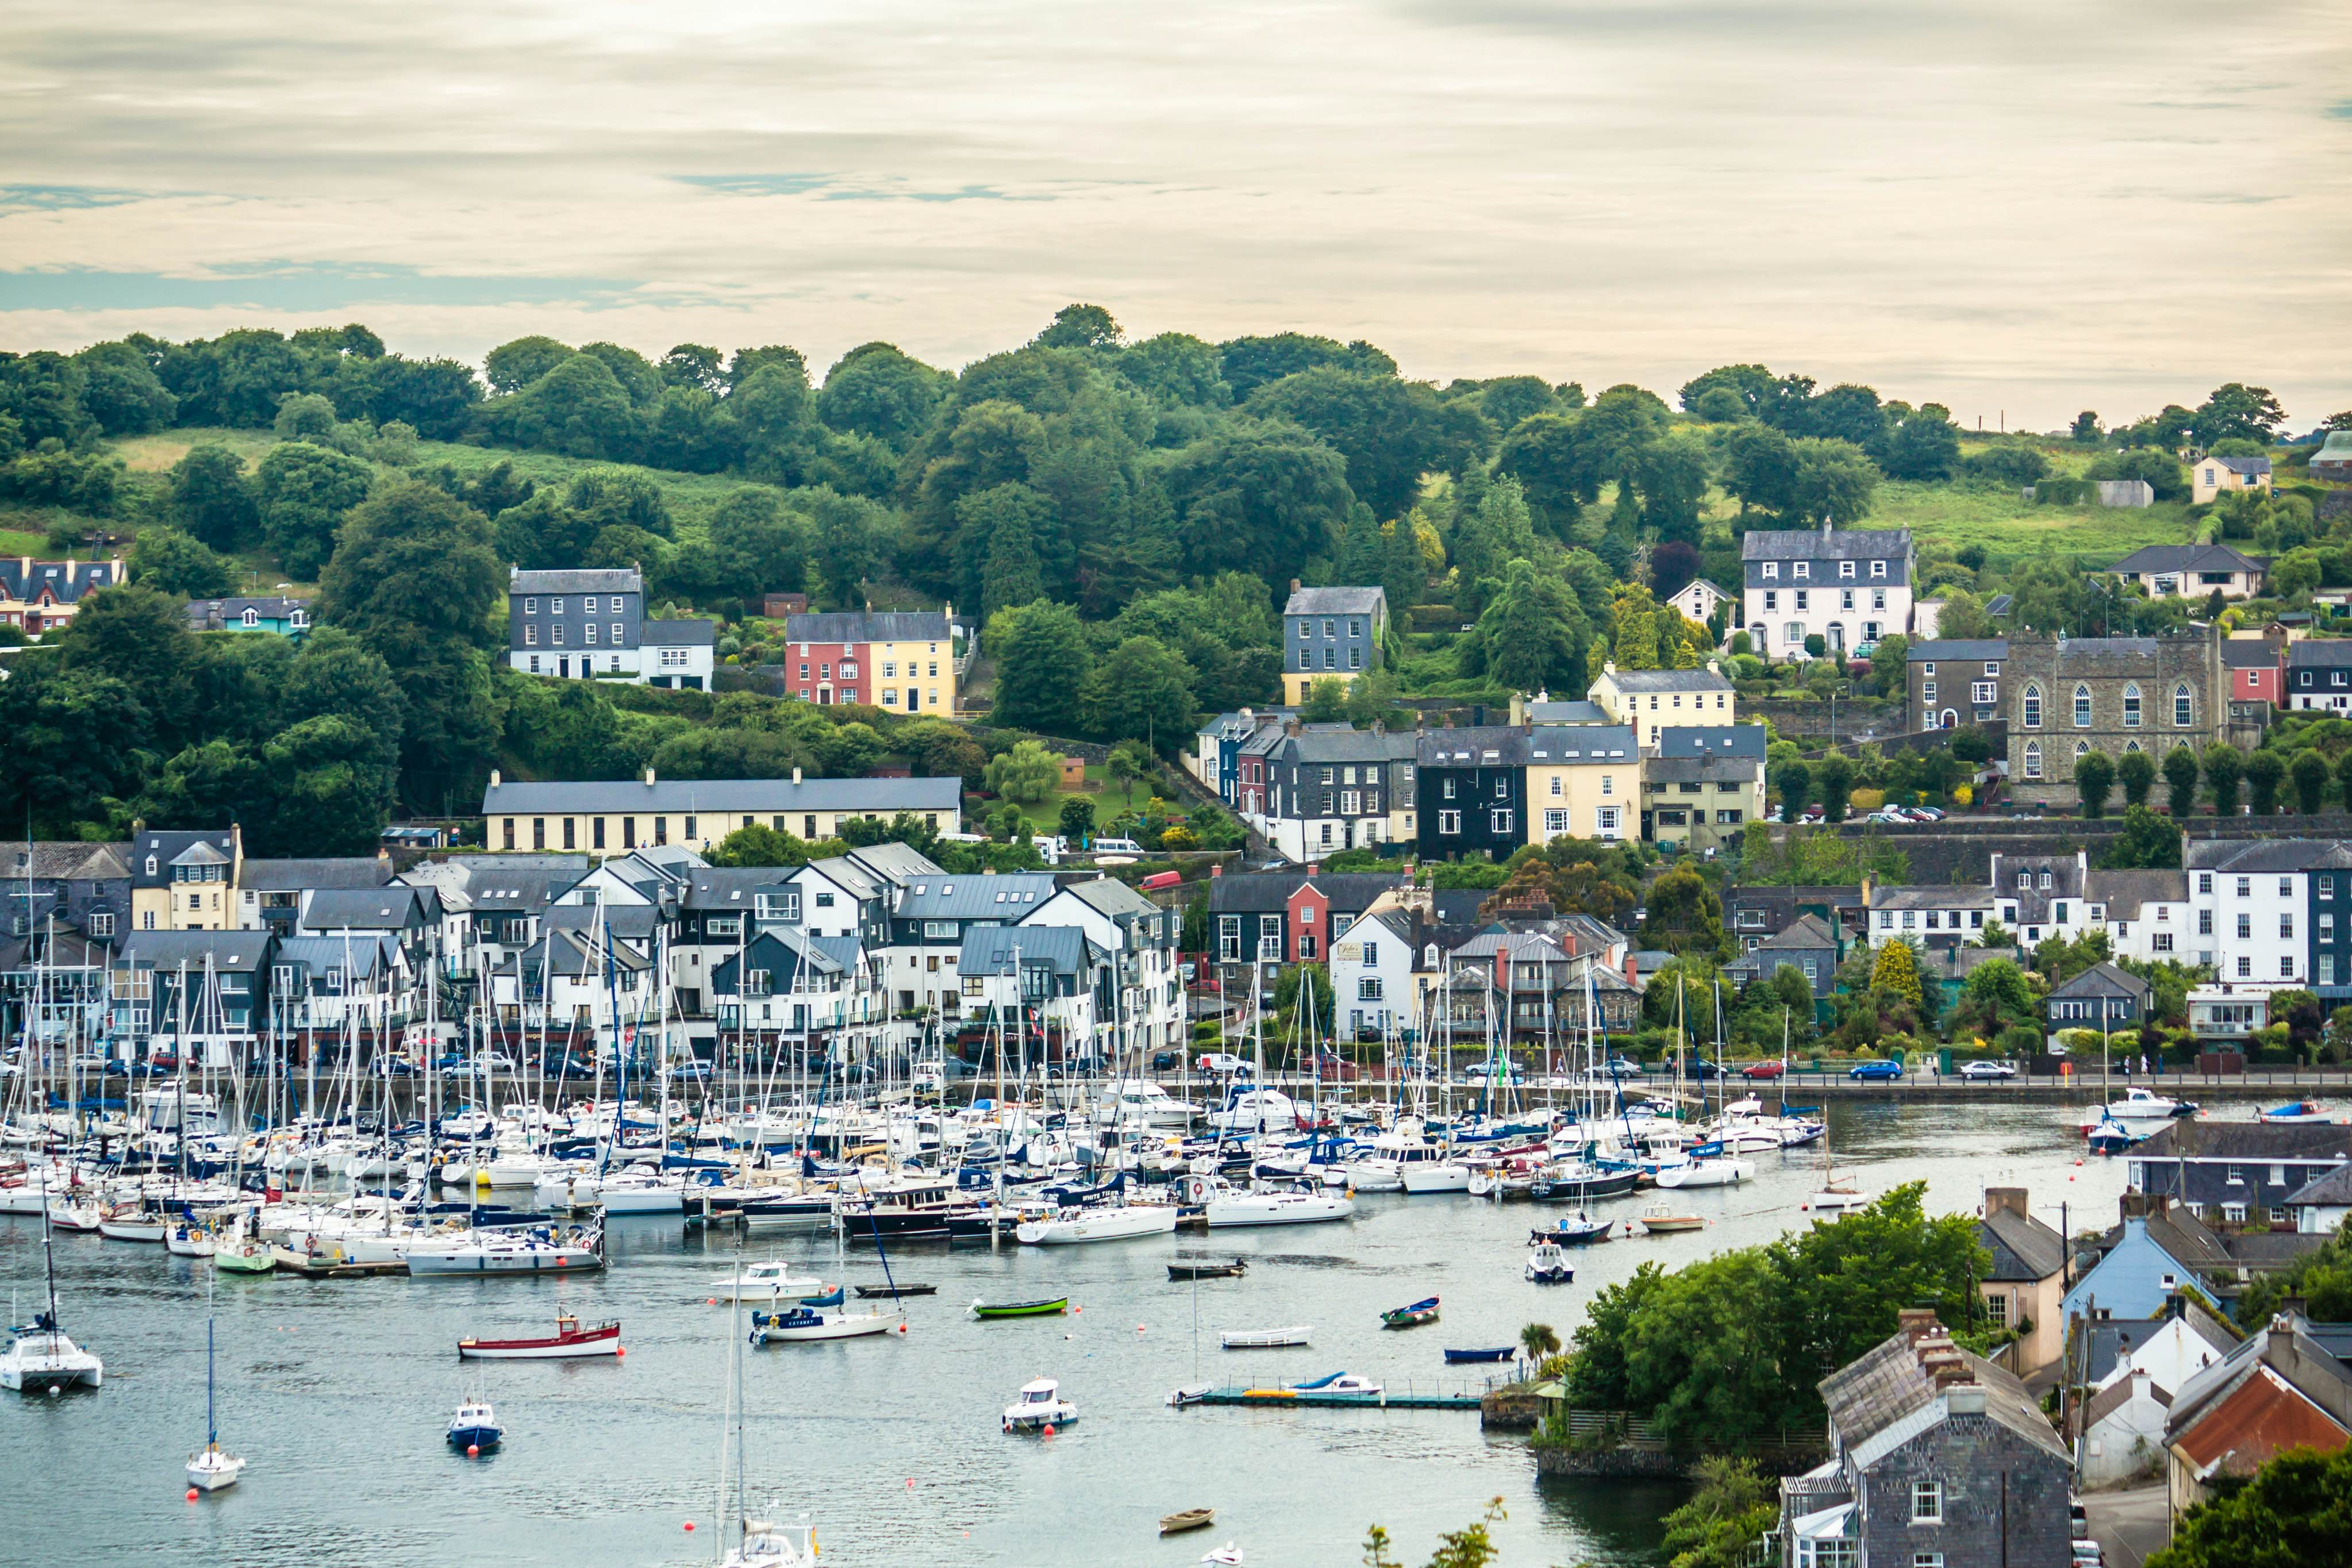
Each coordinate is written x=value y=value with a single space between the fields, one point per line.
x=1539 y=1340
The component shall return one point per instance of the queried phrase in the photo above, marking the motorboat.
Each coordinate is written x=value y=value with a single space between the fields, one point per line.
x=1420 y=1178
x=1578 y=1229
x=798 y=1325
x=40 y=1359
x=2294 y=1112
x=1101 y=1222
x=1266 y=1205
x=773 y=1280
x=1660 y=1219
x=569 y=1342
x=1548 y=1264
x=475 y=1428
x=1340 y=1383
x=533 y=1250
x=2140 y=1104
x=1206 y=1270
x=130 y=1222
x=1265 y=1338
x=1228 y=1555
x=1480 y=1357
x=1040 y=1407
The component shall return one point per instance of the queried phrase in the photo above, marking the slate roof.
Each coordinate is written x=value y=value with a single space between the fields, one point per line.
x=1805 y=934
x=687 y=633
x=2110 y=1339
x=1004 y=898
x=1576 y=712
x=2249 y=1141
x=1958 y=896
x=363 y=909
x=2241 y=855
x=1457 y=906
x=626 y=922
x=576 y=580
x=22 y=578
x=1876 y=1396
x=988 y=949
x=2170 y=558
x=1815 y=545
x=868 y=626
x=232 y=951
x=1320 y=743
x=65 y=860
x=1582 y=743
x=2113 y=1397
x=1268 y=893
x=360 y=955
x=2332 y=1190
x=2104 y=979
x=1960 y=650
x=212 y=615
x=166 y=847
x=896 y=862
x=573 y=954
x=1646 y=681
x=2319 y=653
x=587 y=797
x=2248 y=653
x=731 y=886
x=1111 y=897
x=1746 y=741
x=2126 y=893
x=1473 y=746
x=2242 y=464
x=292 y=875
x=1335 y=602
x=2024 y=1250
x=1702 y=770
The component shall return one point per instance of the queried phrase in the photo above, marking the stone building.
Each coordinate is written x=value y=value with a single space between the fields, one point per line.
x=2070 y=696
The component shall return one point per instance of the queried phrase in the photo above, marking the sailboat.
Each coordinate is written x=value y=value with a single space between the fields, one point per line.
x=759 y=1542
x=210 y=1469
x=39 y=1358
x=1837 y=1192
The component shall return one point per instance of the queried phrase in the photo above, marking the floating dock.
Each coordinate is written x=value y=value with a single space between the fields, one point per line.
x=1284 y=1399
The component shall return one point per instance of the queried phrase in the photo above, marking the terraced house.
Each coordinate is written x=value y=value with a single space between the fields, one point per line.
x=1848 y=587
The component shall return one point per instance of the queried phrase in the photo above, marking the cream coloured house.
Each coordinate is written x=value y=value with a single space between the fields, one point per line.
x=1654 y=700
x=603 y=817
x=1584 y=781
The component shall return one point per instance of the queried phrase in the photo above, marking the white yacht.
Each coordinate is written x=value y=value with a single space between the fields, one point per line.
x=770 y=1281
x=40 y=1359
x=766 y=1545
x=1274 y=1205
x=1040 y=1405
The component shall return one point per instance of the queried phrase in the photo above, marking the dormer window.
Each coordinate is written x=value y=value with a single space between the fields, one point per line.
x=151 y=865
x=252 y=617
x=1772 y=570
x=1878 y=568
x=1801 y=569
x=1846 y=569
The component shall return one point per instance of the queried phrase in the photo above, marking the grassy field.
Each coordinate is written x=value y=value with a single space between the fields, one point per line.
x=2009 y=527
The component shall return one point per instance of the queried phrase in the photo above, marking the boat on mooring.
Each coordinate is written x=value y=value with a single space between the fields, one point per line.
x=39 y=1358
x=1411 y=1317
x=1177 y=1523
x=1548 y=1264
x=1476 y=1357
x=1039 y=1408
x=1266 y=1339
x=988 y=1312
x=569 y=1340
x=799 y=1325
x=475 y=1428
x=1574 y=1230
x=1659 y=1219
x=209 y=1469
x=1232 y=1270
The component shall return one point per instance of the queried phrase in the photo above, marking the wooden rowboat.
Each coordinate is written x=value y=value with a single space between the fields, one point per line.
x=1457 y=1358
x=868 y=1292
x=1413 y=1316
x=1265 y=1338
x=1054 y=1308
x=1189 y=1519
x=570 y=1339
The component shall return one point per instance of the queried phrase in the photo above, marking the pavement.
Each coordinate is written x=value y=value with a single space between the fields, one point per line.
x=2129 y=1526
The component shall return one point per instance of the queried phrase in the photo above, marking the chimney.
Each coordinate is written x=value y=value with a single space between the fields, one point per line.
x=1217 y=870
x=2279 y=1346
x=1826 y=528
x=494 y=778
x=796 y=773
x=1314 y=869
x=2005 y=1200
x=2131 y=1206
x=2159 y=1204
x=649 y=775
x=1291 y=726
x=1608 y=667
x=1969 y=1400
x=1916 y=1323
x=1294 y=584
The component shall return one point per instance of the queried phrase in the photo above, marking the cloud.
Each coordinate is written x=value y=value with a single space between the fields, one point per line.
x=305 y=286
x=828 y=187
x=52 y=198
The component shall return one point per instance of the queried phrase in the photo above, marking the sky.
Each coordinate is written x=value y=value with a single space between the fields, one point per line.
x=2020 y=208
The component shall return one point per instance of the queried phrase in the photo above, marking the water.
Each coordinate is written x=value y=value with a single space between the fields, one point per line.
x=339 y=1392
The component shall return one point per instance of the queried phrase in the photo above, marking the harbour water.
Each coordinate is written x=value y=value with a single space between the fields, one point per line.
x=338 y=1391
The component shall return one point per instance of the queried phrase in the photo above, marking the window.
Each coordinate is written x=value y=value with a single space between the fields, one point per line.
x=555 y=634
x=2030 y=708
x=2204 y=881
x=1772 y=570
x=1608 y=784
x=2287 y=968
x=1878 y=598
x=615 y=638
x=1927 y=1502
x=1449 y=822
x=1801 y=569
x=1878 y=568
x=1845 y=568
x=1305 y=630
x=588 y=634
x=1368 y=989
x=2131 y=706
x=1228 y=939
x=2033 y=758
x=1984 y=693
x=2183 y=711
x=531 y=606
x=1329 y=631
x=102 y=925
x=1928 y=691
x=2204 y=922
x=1801 y=597
x=1500 y=819
x=2286 y=927
x=2245 y=968
x=1555 y=820
x=1605 y=820
x=2245 y=886
x=1845 y=600
x=2082 y=706
x=2286 y=887
x=1772 y=600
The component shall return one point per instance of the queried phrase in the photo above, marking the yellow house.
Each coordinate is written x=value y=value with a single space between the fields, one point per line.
x=1654 y=700
x=915 y=674
x=2211 y=478
x=184 y=881
x=1584 y=781
x=612 y=818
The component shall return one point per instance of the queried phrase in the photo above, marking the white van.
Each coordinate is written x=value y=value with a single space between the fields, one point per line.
x=1116 y=847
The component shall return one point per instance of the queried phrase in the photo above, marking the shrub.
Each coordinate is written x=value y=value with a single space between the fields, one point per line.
x=2020 y=1040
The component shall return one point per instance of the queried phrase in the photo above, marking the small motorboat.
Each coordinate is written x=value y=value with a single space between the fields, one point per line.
x=1039 y=1408
x=806 y=1324
x=870 y=1292
x=570 y=1339
x=1228 y=1554
x=2141 y=1104
x=1232 y=1270
x=2294 y=1112
x=1659 y=1219
x=187 y=1241
x=1548 y=1264
x=1575 y=1230
x=1470 y=1358
x=475 y=1429
x=1187 y=1519
x=1339 y=1382
x=990 y=1312
x=771 y=1281
x=1265 y=1338
x=1411 y=1317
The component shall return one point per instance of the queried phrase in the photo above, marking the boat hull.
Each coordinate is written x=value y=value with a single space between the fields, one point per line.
x=1306 y=1208
x=1053 y=1308
x=1265 y=1338
x=835 y=1326
x=596 y=1342
x=1110 y=1225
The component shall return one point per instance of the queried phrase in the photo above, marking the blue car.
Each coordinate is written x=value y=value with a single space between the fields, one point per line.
x=1864 y=1072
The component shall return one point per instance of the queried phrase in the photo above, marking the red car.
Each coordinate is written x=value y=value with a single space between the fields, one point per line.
x=1759 y=1072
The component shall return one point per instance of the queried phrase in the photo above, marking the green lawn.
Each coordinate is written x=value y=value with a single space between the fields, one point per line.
x=2010 y=527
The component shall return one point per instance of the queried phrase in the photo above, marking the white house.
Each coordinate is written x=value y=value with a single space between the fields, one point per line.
x=1849 y=588
x=2120 y=1432
x=2250 y=899
x=2147 y=913
x=1378 y=976
x=1697 y=598
x=1141 y=938
x=591 y=624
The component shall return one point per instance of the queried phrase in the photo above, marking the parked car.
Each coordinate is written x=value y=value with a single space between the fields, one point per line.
x=1763 y=1072
x=1165 y=1061
x=1865 y=1072
x=695 y=1069
x=1812 y=812
x=1492 y=1071
x=1221 y=1063
x=1987 y=1070
x=1623 y=1065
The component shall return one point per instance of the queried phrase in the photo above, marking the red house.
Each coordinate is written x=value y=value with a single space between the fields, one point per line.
x=901 y=660
x=2257 y=673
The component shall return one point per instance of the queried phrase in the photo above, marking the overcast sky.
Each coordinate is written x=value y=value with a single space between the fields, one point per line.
x=2021 y=206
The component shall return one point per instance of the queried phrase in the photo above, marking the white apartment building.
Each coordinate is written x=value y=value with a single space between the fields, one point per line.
x=2251 y=898
x=1849 y=588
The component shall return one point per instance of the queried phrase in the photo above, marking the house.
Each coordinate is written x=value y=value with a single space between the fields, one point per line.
x=605 y=818
x=327 y=985
x=496 y=901
x=1542 y=709
x=55 y=990
x=578 y=980
x=2119 y=1432
x=719 y=911
x=2236 y=1173
x=2147 y=913
x=590 y=623
x=778 y=606
x=38 y=596
x=2154 y=1253
x=2260 y=916
x=202 y=994
x=1697 y=600
x=2042 y=896
x=901 y=661
x=2211 y=477
x=1274 y=918
x=1701 y=786
x=1753 y=912
x=784 y=987
x=1538 y=989
x=2319 y=674
x=1215 y=758
x=1806 y=945
x=62 y=888
x=2227 y=1013
x=2103 y=998
x=272 y=894
x=1144 y=989
x=2194 y=571
x=2279 y=1388
x=1938 y=1457
x=2319 y=1206
x=1323 y=788
x=1583 y=781
x=1330 y=634
x=1954 y=681
x=2333 y=462
x=1847 y=588
x=1654 y=700
x=1473 y=785
x=1935 y=918
x=182 y=881
x=1948 y=970
x=275 y=614
x=2117 y=695
x=2171 y=1348
x=2256 y=671
x=1380 y=981
x=1052 y=980
x=2025 y=1288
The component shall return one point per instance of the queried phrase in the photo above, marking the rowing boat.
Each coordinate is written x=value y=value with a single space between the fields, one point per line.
x=987 y=1311
x=1413 y=1316
x=1188 y=1519
x=1265 y=1338
x=868 y=1292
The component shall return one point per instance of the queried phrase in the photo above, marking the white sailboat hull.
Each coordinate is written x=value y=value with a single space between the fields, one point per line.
x=1420 y=1178
x=835 y=1326
x=212 y=1470
x=1276 y=1208
x=1104 y=1224
x=1708 y=1174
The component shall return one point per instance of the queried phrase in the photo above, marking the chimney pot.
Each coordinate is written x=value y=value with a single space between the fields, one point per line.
x=796 y=775
x=1294 y=584
x=494 y=778
x=649 y=775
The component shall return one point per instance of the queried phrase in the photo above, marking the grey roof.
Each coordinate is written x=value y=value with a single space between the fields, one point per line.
x=520 y=889
x=211 y=615
x=23 y=579
x=200 y=853
x=988 y=949
x=895 y=862
x=868 y=626
x=2242 y=464
x=1805 y=934
x=2023 y=1248
x=1876 y=1393
x=1961 y=896
x=1268 y=892
x=1344 y=743
x=1704 y=770
x=2170 y=558
x=69 y=860
x=1959 y=963
x=2258 y=856
x=2110 y=1339
x=2332 y=1190
x=2112 y=1397
x=1712 y=740
x=1335 y=601
x=2104 y=979
x=292 y=875
x=684 y=633
x=1958 y=650
x=574 y=953
x=2249 y=653
x=2000 y=604
x=1473 y=746
x=1583 y=744
x=363 y=908
x=1579 y=711
x=883 y=797
x=231 y=951
x=166 y=846
x=629 y=923
x=2126 y=893
x=854 y=879
x=1111 y=897
x=1631 y=680
x=2319 y=653
x=576 y=580
x=1004 y=898
x=358 y=954
x=732 y=887
x=1813 y=543
x=2246 y=1141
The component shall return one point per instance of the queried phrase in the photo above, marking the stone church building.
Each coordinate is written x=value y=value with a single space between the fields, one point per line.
x=2070 y=696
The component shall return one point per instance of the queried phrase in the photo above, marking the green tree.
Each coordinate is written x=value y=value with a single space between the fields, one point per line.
x=1128 y=762
x=305 y=491
x=1080 y=327
x=875 y=391
x=1327 y=701
x=120 y=391
x=2180 y=775
x=1042 y=663
x=1142 y=690
x=2095 y=776
x=2224 y=766
x=513 y=365
x=1539 y=1340
x=756 y=843
x=1730 y=1510
x=2310 y=774
x=2291 y=1515
x=1889 y=663
x=1795 y=780
x=1924 y=445
x=2266 y=771
x=2136 y=773
x=212 y=499
x=174 y=562
x=1530 y=637
x=1684 y=914
x=1077 y=822
x=2085 y=430
x=2147 y=841
x=1027 y=774
x=996 y=541
x=1835 y=776
x=2239 y=412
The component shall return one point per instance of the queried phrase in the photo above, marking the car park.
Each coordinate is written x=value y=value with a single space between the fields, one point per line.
x=1866 y=1072
x=1987 y=1070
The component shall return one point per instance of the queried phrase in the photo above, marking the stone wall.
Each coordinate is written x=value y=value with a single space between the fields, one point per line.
x=1806 y=722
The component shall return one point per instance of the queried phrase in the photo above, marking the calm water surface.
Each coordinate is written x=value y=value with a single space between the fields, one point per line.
x=339 y=1392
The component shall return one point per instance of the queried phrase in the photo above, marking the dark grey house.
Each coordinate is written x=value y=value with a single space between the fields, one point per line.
x=2235 y=1171
x=1755 y=913
x=1938 y=1457
x=1330 y=634
x=1808 y=946
x=1952 y=681
x=67 y=888
x=2102 y=997
x=1473 y=782
x=589 y=623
